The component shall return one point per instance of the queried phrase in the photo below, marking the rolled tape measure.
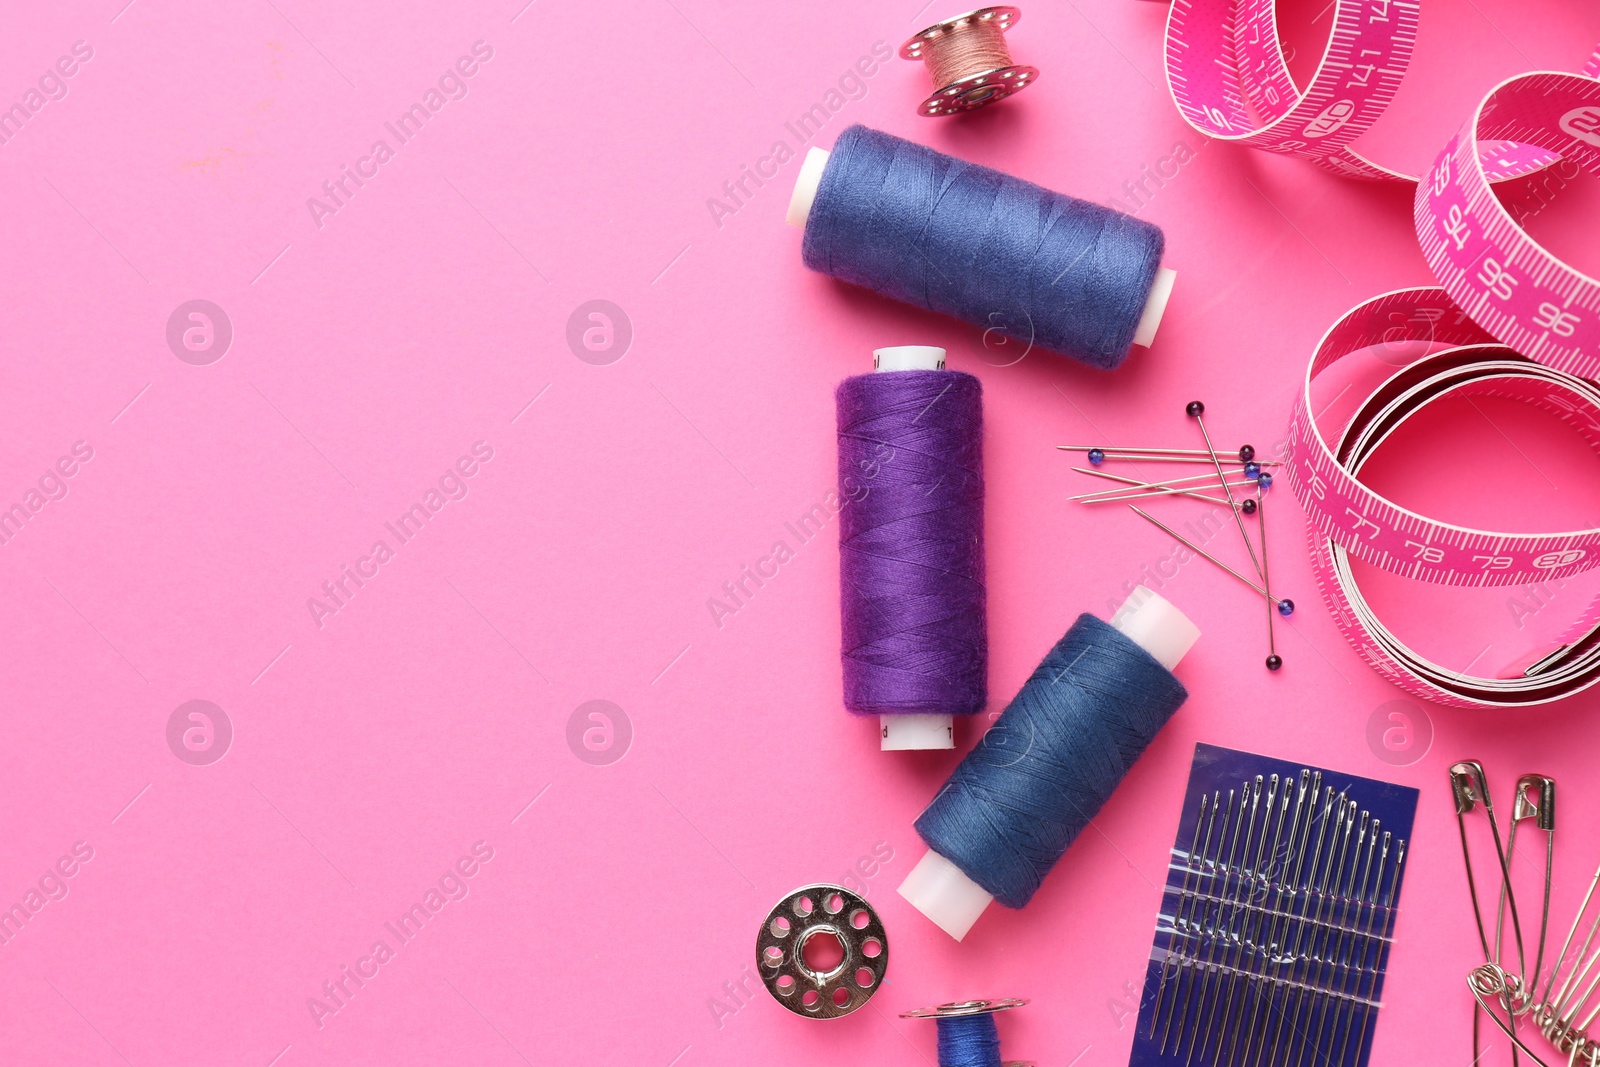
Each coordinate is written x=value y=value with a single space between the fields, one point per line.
x=1512 y=320
x=1347 y=519
x=1496 y=273
x=1230 y=79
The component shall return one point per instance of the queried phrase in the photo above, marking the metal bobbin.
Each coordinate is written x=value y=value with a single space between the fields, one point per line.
x=960 y=1008
x=806 y=913
x=965 y=88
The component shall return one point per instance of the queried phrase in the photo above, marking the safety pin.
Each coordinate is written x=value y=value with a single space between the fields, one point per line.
x=1470 y=788
x=1543 y=811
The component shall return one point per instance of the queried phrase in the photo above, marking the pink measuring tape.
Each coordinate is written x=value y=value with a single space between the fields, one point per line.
x=1230 y=79
x=1518 y=323
x=1514 y=320
x=1348 y=519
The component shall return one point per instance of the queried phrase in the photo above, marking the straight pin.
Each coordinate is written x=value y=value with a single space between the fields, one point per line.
x=1182 y=482
x=1284 y=607
x=1113 y=450
x=1247 y=453
x=1203 y=457
x=1202 y=552
x=1103 y=497
x=1195 y=410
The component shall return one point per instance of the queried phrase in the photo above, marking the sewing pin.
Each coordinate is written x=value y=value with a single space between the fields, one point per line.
x=1195 y=410
x=1139 y=457
x=1112 y=496
x=1283 y=607
x=1247 y=453
x=1180 y=482
x=1202 y=552
x=1177 y=486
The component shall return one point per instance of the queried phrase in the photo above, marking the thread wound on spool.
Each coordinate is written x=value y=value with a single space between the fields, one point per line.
x=911 y=561
x=968 y=1041
x=991 y=250
x=1052 y=759
x=968 y=60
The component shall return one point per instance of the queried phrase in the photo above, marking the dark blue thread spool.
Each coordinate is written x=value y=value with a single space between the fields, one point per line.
x=994 y=251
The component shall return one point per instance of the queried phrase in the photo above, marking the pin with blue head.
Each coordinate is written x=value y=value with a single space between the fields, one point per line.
x=1055 y=755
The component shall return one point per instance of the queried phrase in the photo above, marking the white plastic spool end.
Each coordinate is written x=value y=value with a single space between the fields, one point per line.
x=937 y=888
x=805 y=187
x=1150 y=621
x=1155 y=305
x=908 y=357
x=916 y=733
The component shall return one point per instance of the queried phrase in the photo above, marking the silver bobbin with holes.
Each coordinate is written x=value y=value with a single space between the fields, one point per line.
x=825 y=991
x=968 y=60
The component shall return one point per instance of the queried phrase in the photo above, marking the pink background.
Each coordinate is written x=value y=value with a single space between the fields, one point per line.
x=371 y=752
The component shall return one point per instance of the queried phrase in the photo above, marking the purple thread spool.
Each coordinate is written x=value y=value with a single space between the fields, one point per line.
x=915 y=648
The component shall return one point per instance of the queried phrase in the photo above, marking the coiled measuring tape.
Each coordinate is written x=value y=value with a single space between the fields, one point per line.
x=1230 y=79
x=1518 y=323
x=1348 y=519
x=1498 y=274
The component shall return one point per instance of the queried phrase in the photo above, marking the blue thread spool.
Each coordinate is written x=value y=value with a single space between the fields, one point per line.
x=997 y=252
x=1048 y=764
x=968 y=1036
